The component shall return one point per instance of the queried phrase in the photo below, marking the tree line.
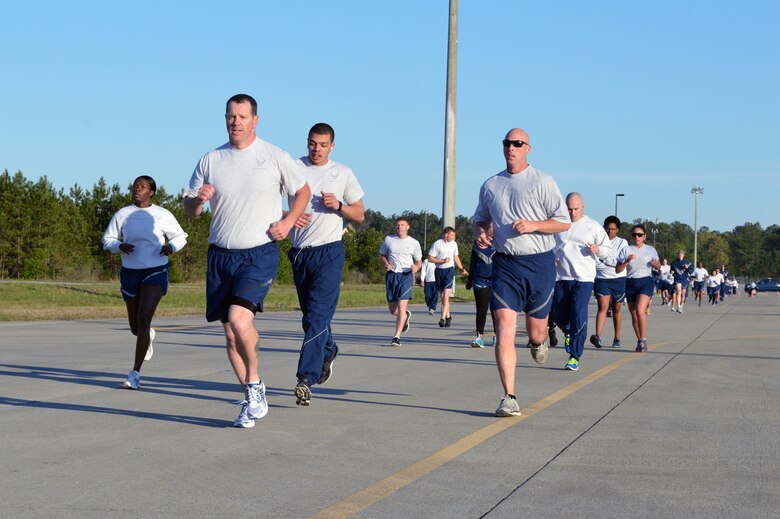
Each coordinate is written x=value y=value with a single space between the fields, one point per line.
x=52 y=234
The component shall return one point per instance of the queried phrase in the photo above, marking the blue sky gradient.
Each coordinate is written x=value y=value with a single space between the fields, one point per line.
x=646 y=99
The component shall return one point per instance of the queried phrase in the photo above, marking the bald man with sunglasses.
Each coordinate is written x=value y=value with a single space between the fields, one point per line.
x=527 y=210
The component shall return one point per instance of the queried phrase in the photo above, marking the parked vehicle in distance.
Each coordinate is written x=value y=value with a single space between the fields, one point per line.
x=768 y=285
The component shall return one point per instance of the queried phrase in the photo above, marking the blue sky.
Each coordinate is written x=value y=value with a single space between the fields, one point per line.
x=645 y=99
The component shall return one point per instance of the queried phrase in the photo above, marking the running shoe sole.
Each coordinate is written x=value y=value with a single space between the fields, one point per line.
x=150 y=350
x=406 y=323
x=302 y=394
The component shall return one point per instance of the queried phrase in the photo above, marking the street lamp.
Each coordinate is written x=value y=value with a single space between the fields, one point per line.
x=616 y=197
x=425 y=233
x=696 y=192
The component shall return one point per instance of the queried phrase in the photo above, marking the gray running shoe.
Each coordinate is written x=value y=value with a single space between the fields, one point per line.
x=508 y=407
x=595 y=340
x=406 y=323
x=539 y=353
x=616 y=343
x=395 y=342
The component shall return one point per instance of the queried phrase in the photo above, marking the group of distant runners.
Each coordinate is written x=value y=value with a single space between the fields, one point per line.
x=535 y=252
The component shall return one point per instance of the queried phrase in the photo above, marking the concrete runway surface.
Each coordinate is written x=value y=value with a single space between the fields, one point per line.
x=689 y=429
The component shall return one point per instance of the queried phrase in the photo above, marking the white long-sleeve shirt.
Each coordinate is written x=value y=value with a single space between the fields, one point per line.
x=146 y=229
x=573 y=257
x=605 y=269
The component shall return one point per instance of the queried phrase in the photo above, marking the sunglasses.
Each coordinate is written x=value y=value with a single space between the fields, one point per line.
x=636 y=234
x=514 y=144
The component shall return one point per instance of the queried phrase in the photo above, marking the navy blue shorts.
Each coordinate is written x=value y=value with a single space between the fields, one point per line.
x=130 y=280
x=615 y=288
x=240 y=277
x=698 y=286
x=398 y=286
x=523 y=283
x=639 y=286
x=683 y=282
x=445 y=278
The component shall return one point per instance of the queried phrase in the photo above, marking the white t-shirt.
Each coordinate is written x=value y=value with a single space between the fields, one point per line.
x=444 y=249
x=665 y=273
x=401 y=253
x=700 y=274
x=714 y=281
x=428 y=272
x=605 y=269
x=248 y=185
x=531 y=195
x=326 y=224
x=573 y=258
x=145 y=228
x=640 y=267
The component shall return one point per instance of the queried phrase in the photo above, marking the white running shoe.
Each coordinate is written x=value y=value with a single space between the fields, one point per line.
x=150 y=350
x=243 y=421
x=257 y=404
x=133 y=380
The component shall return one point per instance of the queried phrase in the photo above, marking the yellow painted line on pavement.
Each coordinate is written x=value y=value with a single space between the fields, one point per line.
x=407 y=475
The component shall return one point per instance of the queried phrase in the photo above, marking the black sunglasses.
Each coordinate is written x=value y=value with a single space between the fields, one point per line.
x=516 y=144
x=637 y=234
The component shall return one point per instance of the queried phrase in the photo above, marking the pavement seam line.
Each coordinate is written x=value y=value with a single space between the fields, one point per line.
x=594 y=424
x=407 y=475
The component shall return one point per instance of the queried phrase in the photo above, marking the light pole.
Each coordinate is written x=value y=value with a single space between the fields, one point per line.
x=616 y=197
x=425 y=233
x=696 y=192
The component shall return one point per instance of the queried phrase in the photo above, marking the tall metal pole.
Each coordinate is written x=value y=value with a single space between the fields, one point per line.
x=448 y=198
x=696 y=192
x=425 y=234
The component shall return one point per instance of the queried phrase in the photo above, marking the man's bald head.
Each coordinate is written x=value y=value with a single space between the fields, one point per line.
x=518 y=134
x=575 y=206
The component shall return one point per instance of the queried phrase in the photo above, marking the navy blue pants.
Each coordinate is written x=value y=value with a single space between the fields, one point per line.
x=431 y=292
x=317 y=276
x=570 y=312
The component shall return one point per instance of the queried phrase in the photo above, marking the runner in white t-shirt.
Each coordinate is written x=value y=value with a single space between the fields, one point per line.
x=700 y=276
x=444 y=254
x=402 y=258
x=317 y=255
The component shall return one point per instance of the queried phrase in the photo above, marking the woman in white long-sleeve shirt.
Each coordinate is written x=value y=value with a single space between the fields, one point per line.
x=146 y=235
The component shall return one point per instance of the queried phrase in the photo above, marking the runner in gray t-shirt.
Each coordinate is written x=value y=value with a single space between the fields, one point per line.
x=526 y=209
x=243 y=181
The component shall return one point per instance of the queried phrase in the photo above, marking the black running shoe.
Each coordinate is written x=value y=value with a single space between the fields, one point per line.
x=553 y=337
x=406 y=323
x=327 y=368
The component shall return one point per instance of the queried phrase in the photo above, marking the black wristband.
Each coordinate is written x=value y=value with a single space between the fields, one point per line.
x=340 y=206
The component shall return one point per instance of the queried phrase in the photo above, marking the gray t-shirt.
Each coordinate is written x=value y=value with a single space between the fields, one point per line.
x=326 y=225
x=531 y=195
x=640 y=267
x=248 y=186
x=401 y=253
